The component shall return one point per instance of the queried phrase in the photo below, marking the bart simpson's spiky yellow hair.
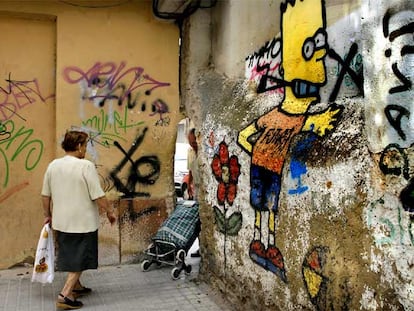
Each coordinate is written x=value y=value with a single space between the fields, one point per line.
x=300 y=20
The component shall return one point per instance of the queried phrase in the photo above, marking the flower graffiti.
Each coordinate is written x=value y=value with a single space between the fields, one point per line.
x=226 y=170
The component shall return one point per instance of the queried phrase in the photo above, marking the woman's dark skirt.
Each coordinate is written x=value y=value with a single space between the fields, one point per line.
x=76 y=252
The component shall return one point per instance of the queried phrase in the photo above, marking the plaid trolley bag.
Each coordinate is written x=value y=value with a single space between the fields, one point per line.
x=174 y=238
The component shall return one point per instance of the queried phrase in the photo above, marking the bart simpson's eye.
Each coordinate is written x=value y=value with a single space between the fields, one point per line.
x=320 y=40
x=308 y=48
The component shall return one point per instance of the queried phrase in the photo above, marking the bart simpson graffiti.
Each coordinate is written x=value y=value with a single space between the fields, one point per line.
x=269 y=138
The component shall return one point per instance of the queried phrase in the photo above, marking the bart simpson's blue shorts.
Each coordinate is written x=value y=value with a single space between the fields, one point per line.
x=265 y=189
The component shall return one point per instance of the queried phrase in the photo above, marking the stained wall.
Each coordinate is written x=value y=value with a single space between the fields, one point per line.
x=307 y=152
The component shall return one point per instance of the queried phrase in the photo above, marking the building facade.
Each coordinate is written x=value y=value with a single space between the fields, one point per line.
x=305 y=117
x=303 y=114
x=109 y=68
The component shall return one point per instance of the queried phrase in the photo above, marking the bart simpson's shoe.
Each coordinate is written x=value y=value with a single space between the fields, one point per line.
x=257 y=253
x=275 y=262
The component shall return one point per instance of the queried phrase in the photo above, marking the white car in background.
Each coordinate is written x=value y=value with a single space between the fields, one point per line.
x=180 y=167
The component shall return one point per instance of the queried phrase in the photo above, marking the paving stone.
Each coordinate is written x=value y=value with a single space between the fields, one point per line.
x=115 y=288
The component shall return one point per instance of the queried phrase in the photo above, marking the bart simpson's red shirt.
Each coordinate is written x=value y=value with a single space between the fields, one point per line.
x=278 y=129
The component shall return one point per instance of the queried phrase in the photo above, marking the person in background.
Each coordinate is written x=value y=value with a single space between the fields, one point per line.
x=194 y=176
x=72 y=197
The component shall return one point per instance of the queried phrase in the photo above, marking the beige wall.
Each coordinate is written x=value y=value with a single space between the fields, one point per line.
x=112 y=71
x=27 y=127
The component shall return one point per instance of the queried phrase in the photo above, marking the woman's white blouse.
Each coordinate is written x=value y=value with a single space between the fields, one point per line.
x=73 y=185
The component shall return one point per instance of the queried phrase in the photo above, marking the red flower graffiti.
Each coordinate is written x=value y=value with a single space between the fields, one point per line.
x=226 y=170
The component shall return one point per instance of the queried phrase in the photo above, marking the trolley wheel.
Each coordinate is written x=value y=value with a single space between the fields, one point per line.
x=181 y=255
x=188 y=269
x=145 y=265
x=175 y=273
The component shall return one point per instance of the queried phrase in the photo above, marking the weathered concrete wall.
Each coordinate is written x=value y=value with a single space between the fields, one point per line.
x=111 y=69
x=306 y=147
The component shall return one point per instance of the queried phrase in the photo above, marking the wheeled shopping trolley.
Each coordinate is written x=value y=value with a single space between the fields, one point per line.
x=174 y=239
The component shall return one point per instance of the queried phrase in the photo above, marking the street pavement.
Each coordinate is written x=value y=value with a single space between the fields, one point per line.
x=115 y=288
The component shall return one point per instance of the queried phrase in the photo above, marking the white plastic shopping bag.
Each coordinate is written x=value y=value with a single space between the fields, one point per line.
x=44 y=266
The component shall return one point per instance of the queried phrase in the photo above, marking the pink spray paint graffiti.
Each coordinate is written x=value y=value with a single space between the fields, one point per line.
x=17 y=95
x=105 y=83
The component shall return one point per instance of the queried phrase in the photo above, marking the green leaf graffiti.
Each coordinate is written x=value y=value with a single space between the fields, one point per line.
x=231 y=225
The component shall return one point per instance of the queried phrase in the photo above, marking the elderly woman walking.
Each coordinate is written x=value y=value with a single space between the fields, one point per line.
x=72 y=197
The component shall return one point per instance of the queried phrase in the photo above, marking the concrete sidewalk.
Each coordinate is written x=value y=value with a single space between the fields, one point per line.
x=115 y=288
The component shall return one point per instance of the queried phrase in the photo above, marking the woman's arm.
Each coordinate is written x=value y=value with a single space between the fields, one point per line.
x=103 y=204
x=46 y=202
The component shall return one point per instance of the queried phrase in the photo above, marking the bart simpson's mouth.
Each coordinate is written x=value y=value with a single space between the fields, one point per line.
x=303 y=89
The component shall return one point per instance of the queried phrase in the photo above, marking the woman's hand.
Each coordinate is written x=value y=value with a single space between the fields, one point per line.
x=103 y=205
x=48 y=220
x=111 y=217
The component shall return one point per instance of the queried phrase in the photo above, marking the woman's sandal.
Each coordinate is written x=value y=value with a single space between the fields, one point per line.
x=82 y=291
x=68 y=304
